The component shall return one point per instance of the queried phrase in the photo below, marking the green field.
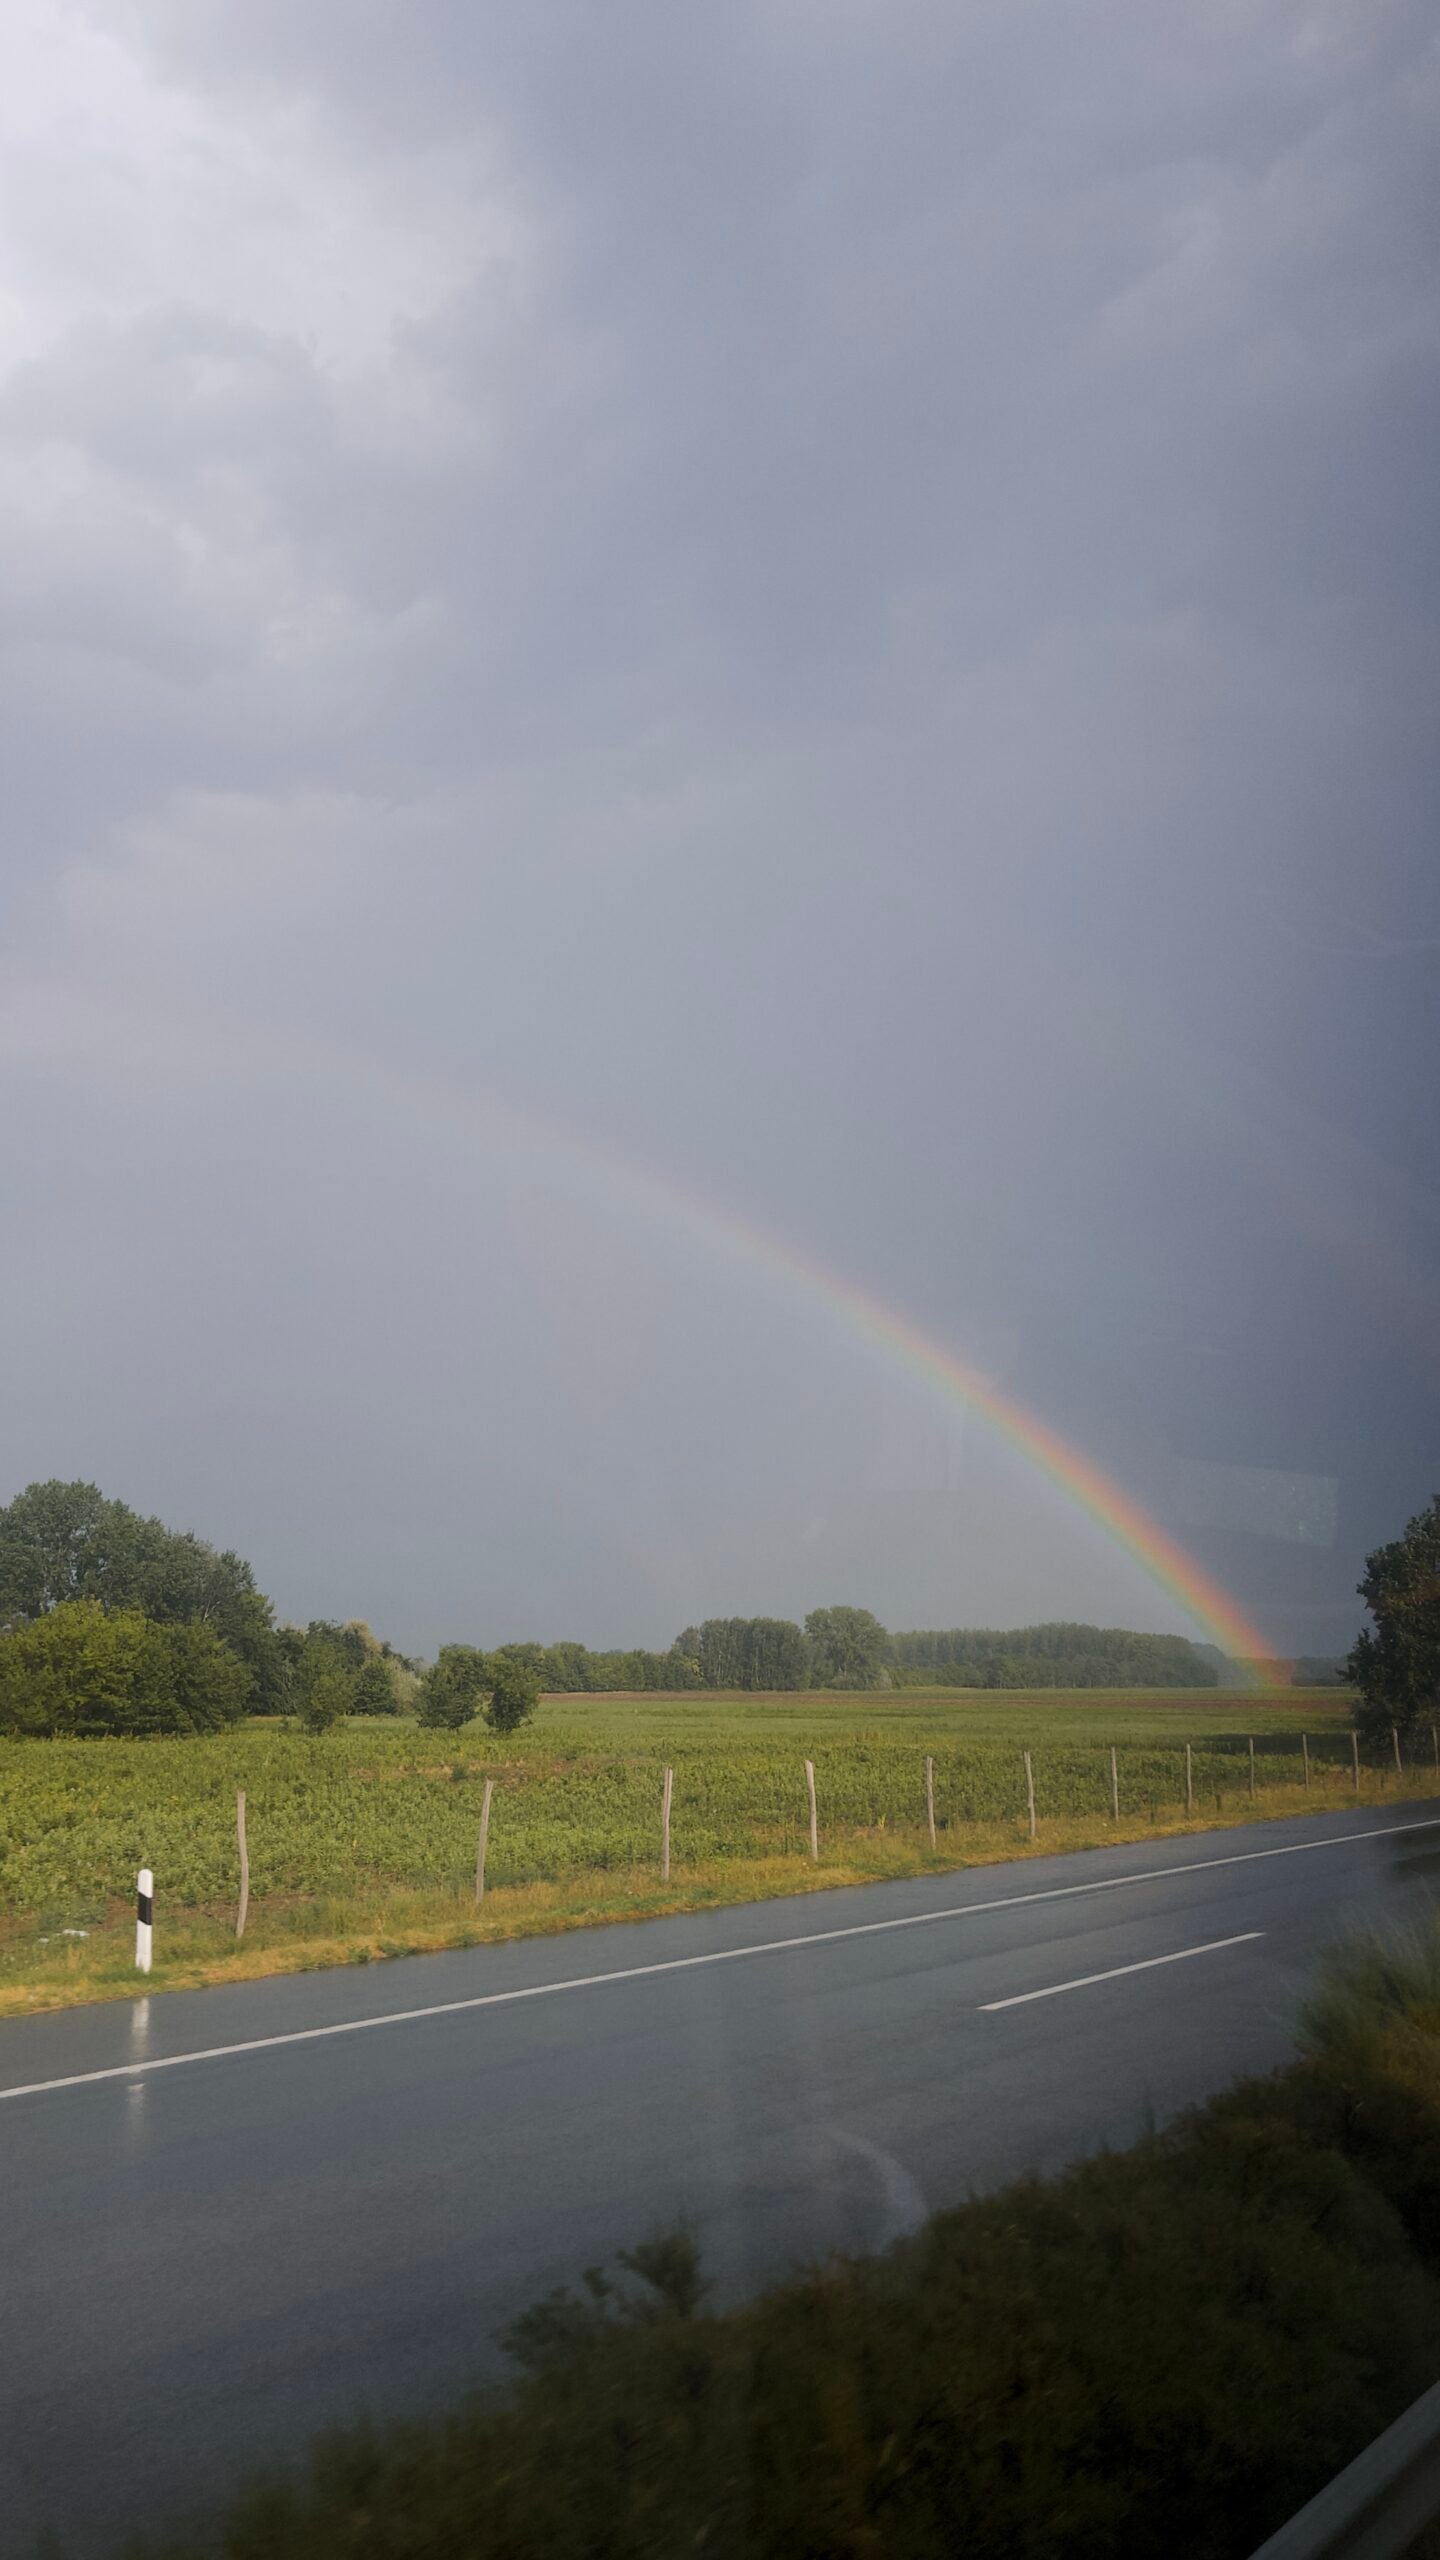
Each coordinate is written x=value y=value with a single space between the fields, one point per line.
x=362 y=1841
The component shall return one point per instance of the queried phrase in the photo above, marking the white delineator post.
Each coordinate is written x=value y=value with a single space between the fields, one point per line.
x=1355 y=1748
x=667 y=1798
x=1114 y=1784
x=1305 y=1747
x=930 y=1796
x=144 y=1919
x=1189 y=1780
x=814 y=1815
x=1030 y=1793
x=1252 y=1764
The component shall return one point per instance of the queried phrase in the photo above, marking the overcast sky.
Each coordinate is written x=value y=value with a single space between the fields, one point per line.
x=831 y=601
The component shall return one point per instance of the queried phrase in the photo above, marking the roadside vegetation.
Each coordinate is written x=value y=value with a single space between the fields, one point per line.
x=144 y=1682
x=1159 y=2355
x=362 y=1838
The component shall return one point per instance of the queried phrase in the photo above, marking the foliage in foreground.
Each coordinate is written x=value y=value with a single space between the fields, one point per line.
x=1158 y=2356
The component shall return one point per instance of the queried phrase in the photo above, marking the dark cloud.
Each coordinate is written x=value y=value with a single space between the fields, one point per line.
x=840 y=599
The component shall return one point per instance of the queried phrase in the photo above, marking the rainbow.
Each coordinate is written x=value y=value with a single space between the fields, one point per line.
x=967 y=1389
x=893 y=1336
x=264 y=1053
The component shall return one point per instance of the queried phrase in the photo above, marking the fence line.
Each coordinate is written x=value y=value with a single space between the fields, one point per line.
x=1223 y=1749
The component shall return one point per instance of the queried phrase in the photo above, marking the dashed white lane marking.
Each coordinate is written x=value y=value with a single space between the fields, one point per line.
x=1113 y=1972
x=688 y=1964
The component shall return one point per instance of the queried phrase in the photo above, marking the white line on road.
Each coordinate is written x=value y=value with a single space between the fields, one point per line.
x=1146 y=1964
x=688 y=1964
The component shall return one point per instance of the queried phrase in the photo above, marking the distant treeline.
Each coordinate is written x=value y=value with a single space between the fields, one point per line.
x=846 y=1648
x=1060 y=1655
x=112 y=1623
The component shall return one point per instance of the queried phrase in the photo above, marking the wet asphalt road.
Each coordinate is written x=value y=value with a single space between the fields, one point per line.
x=221 y=2227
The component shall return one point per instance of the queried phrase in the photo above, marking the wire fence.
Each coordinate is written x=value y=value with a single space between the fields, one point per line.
x=341 y=1813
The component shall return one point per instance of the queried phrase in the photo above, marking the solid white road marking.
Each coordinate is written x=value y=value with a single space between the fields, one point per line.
x=689 y=1964
x=1083 y=1981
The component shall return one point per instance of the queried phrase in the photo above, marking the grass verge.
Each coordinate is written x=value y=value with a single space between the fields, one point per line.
x=301 y=1933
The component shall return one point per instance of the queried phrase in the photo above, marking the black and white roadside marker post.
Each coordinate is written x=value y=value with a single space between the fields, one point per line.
x=144 y=1918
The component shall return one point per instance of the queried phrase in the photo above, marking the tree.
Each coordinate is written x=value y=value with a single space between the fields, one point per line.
x=514 y=1694
x=450 y=1693
x=62 y=1542
x=1396 y=1664
x=374 y=1690
x=213 y=1687
x=849 y=1648
x=85 y=1671
x=73 y=1671
x=325 y=1686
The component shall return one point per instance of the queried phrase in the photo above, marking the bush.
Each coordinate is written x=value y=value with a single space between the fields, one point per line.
x=450 y=1693
x=514 y=1695
x=86 y=1670
x=325 y=1685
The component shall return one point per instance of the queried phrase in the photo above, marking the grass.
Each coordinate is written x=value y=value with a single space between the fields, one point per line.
x=1158 y=2355
x=362 y=1842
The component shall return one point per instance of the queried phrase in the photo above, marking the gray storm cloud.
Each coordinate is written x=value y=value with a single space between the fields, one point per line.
x=837 y=603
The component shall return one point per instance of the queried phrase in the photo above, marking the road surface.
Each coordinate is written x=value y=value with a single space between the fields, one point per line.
x=229 y=2217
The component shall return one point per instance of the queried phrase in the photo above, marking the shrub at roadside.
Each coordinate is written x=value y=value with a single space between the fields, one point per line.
x=1157 y=2356
x=85 y=1670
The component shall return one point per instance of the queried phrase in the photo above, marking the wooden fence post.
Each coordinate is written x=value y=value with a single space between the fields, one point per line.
x=1189 y=1780
x=814 y=1816
x=1305 y=1747
x=241 y=1914
x=1252 y=1764
x=483 y=1841
x=1030 y=1792
x=930 y=1796
x=1114 y=1784
x=665 y=1800
x=1355 y=1752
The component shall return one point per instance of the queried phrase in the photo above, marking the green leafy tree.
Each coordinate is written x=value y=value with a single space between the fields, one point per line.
x=849 y=1648
x=86 y=1671
x=325 y=1686
x=212 y=1686
x=1395 y=1664
x=73 y=1671
x=374 y=1690
x=750 y=1653
x=514 y=1694
x=62 y=1542
x=452 y=1690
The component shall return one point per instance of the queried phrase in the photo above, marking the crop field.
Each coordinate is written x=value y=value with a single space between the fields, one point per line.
x=362 y=1841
